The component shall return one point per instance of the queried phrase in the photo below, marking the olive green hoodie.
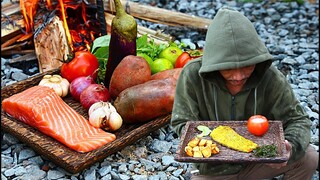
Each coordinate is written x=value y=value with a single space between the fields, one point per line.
x=201 y=93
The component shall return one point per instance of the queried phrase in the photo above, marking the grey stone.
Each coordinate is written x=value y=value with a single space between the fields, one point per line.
x=124 y=177
x=177 y=172
x=171 y=168
x=34 y=173
x=140 y=177
x=36 y=160
x=104 y=170
x=54 y=174
x=161 y=146
x=168 y=160
x=25 y=154
x=122 y=168
x=90 y=174
x=9 y=139
x=6 y=161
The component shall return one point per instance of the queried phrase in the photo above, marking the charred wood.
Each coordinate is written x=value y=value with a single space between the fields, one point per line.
x=51 y=45
x=28 y=56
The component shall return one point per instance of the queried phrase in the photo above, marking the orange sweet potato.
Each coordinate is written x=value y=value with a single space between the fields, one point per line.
x=144 y=102
x=167 y=73
x=131 y=71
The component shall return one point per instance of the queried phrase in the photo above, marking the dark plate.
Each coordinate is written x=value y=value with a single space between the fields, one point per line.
x=61 y=155
x=226 y=155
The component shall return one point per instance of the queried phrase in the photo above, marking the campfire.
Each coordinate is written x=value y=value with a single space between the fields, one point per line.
x=59 y=28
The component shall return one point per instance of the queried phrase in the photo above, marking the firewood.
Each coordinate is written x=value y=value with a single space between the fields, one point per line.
x=11 y=41
x=17 y=46
x=31 y=55
x=160 y=15
x=16 y=51
x=10 y=8
x=51 y=45
x=11 y=26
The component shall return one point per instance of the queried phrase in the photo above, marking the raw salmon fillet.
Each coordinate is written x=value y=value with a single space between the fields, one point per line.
x=41 y=108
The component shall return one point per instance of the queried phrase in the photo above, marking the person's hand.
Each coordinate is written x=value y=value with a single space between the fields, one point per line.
x=288 y=154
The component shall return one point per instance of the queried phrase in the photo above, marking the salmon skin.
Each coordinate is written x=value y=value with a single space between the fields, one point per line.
x=41 y=108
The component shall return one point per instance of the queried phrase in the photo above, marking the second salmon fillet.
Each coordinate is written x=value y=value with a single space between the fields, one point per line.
x=41 y=108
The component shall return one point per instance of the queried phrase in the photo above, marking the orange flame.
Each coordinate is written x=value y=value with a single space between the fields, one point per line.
x=65 y=24
x=28 y=8
x=80 y=32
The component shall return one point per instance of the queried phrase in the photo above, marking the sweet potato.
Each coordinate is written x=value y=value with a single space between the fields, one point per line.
x=167 y=73
x=131 y=71
x=144 y=102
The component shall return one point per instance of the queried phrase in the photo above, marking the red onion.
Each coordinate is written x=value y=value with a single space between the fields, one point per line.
x=79 y=84
x=94 y=93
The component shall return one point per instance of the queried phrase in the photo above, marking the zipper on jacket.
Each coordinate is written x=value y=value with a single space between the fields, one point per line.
x=233 y=108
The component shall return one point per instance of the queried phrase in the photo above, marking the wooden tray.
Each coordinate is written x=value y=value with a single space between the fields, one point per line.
x=61 y=155
x=226 y=155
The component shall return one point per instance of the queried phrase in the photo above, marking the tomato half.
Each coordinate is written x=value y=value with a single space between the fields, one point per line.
x=258 y=125
x=83 y=64
x=182 y=60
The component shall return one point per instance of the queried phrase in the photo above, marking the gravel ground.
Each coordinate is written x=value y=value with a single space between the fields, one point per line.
x=289 y=30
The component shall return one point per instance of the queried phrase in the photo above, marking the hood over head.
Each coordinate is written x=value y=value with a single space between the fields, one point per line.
x=232 y=42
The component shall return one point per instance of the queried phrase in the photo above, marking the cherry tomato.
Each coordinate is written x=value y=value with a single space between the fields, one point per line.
x=83 y=64
x=182 y=60
x=258 y=125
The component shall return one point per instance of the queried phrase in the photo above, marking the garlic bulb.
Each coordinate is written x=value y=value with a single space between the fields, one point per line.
x=57 y=83
x=104 y=115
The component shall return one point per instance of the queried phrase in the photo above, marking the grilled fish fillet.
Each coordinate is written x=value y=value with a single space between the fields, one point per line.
x=226 y=136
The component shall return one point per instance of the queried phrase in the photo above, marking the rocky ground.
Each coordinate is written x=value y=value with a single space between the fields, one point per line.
x=291 y=34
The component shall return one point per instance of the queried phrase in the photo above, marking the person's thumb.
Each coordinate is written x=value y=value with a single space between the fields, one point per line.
x=288 y=147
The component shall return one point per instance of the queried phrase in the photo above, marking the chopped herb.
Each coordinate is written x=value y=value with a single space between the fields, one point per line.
x=266 y=151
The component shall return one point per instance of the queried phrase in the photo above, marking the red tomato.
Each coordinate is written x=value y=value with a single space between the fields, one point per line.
x=187 y=56
x=182 y=60
x=83 y=64
x=258 y=125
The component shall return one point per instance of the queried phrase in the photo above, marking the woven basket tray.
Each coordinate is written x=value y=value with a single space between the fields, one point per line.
x=61 y=155
x=226 y=155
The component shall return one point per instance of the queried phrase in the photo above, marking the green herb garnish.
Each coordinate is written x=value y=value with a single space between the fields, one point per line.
x=266 y=151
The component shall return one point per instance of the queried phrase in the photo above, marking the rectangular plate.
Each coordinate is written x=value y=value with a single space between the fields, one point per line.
x=226 y=155
x=61 y=155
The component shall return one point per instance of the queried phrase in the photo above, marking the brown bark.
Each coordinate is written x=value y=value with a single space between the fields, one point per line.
x=159 y=15
x=51 y=45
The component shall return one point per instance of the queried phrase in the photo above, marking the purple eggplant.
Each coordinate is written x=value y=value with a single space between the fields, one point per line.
x=123 y=39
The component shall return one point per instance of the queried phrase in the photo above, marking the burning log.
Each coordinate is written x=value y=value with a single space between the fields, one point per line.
x=57 y=37
x=51 y=45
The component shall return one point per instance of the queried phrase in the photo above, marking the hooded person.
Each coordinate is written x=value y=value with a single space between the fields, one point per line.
x=202 y=93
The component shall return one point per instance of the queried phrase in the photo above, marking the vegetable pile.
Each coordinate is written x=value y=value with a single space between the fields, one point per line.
x=124 y=78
